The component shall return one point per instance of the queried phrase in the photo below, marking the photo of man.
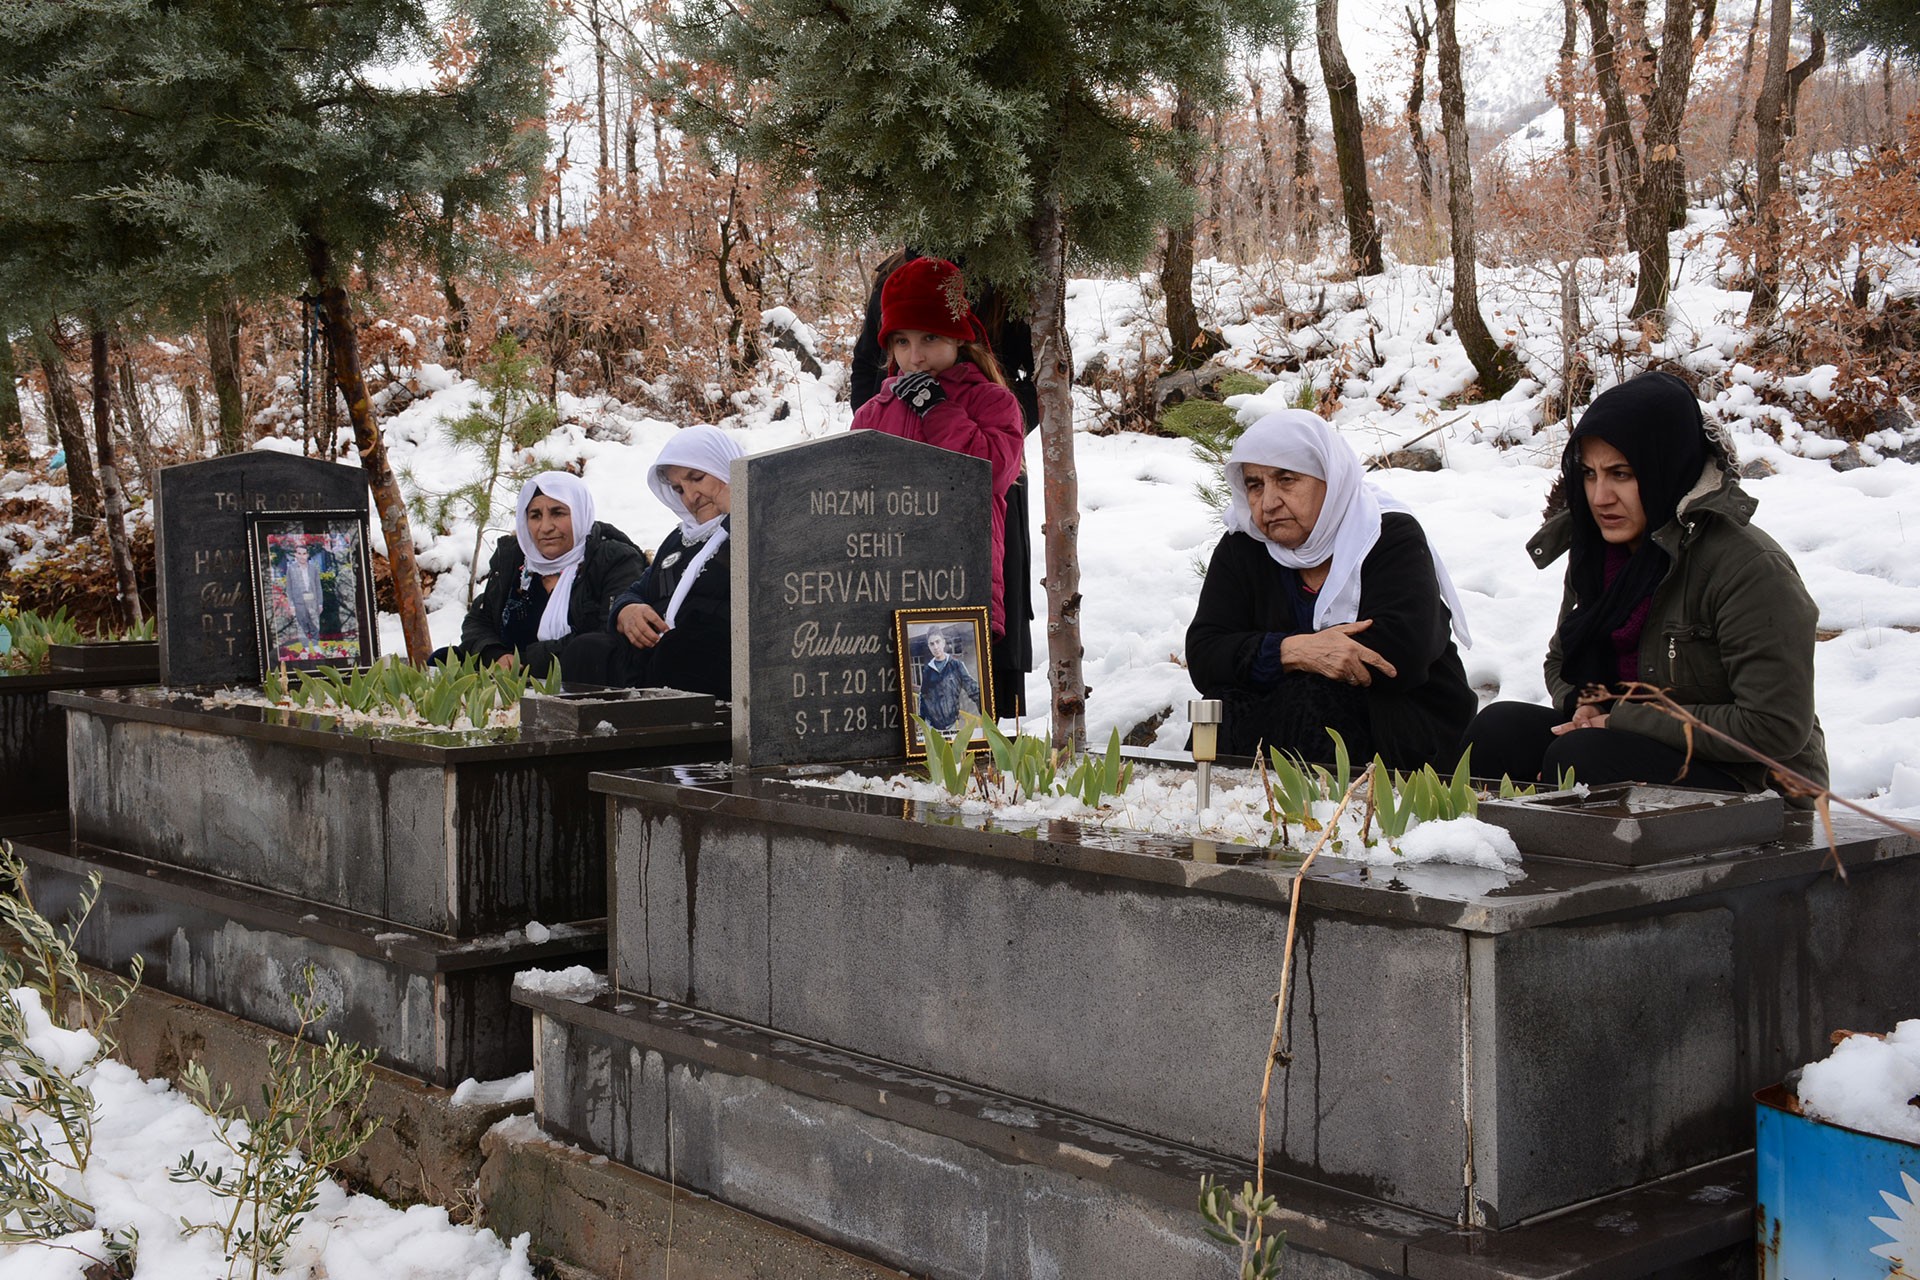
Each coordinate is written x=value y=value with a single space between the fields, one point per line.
x=311 y=607
x=945 y=681
x=306 y=591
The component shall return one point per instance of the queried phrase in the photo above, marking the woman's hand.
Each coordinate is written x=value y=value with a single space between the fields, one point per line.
x=641 y=626
x=1592 y=711
x=506 y=661
x=1335 y=654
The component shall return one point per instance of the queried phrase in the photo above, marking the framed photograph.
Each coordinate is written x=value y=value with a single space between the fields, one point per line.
x=946 y=671
x=312 y=589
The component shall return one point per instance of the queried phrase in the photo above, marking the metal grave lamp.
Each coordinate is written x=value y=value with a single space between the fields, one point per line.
x=1204 y=713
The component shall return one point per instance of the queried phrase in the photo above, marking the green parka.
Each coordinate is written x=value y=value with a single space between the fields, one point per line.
x=1729 y=634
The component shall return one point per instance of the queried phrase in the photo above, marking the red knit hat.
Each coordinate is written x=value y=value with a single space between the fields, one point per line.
x=930 y=295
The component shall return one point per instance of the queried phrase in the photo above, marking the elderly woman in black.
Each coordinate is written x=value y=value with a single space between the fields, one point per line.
x=1669 y=585
x=548 y=587
x=1324 y=607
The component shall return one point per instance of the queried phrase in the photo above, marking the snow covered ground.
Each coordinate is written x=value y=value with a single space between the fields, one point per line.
x=1855 y=534
x=141 y=1130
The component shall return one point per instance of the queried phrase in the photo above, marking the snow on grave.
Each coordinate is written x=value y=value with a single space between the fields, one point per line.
x=1088 y=1001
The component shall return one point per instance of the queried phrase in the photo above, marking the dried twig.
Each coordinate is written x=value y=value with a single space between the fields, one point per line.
x=1791 y=781
x=1286 y=969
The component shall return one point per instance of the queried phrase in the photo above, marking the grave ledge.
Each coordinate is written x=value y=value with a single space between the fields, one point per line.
x=413 y=949
x=1551 y=891
x=174 y=709
x=1686 y=1218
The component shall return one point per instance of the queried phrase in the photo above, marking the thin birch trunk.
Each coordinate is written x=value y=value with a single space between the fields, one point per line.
x=1053 y=378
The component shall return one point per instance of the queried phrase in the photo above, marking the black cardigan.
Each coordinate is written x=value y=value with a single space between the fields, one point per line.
x=697 y=655
x=1419 y=715
x=612 y=561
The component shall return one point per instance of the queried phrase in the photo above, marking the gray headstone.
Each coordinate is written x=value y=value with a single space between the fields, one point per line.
x=206 y=619
x=830 y=538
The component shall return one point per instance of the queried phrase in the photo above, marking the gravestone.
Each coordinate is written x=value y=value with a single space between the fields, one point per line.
x=206 y=616
x=830 y=538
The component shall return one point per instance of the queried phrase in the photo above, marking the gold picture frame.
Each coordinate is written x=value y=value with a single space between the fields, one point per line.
x=946 y=662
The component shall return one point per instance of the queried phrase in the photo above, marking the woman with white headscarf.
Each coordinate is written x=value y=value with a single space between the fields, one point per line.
x=549 y=585
x=1324 y=607
x=677 y=620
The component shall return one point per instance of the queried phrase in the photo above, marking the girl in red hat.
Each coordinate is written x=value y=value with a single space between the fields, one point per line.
x=946 y=388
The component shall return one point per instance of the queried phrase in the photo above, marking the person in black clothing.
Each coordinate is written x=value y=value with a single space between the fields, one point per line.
x=673 y=628
x=547 y=589
x=1011 y=340
x=1324 y=607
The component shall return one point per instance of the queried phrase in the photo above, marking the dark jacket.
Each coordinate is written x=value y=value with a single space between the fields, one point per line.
x=612 y=561
x=697 y=655
x=1729 y=635
x=940 y=691
x=1417 y=716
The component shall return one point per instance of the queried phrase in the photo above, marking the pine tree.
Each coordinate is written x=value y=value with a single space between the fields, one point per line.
x=1019 y=133
x=1892 y=26
x=247 y=148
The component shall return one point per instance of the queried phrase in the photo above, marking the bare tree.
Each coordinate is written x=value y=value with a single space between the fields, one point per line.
x=1349 y=147
x=223 y=362
x=1305 y=209
x=1060 y=482
x=1650 y=168
x=1773 y=124
x=1420 y=28
x=1189 y=344
x=1497 y=367
x=63 y=406
x=13 y=429
x=1564 y=93
x=1746 y=77
x=126 y=586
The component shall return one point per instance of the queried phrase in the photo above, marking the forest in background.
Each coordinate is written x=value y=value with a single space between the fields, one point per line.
x=632 y=259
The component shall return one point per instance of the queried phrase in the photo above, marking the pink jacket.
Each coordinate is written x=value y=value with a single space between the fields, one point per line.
x=979 y=417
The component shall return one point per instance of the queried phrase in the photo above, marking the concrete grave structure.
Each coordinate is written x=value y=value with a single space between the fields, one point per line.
x=829 y=539
x=207 y=629
x=239 y=845
x=33 y=734
x=834 y=1009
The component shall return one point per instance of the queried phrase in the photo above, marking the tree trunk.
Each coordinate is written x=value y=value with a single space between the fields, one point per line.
x=1615 y=145
x=1773 y=124
x=1349 y=147
x=1304 y=211
x=196 y=420
x=13 y=428
x=1188 y=344
x=1420 y=29
x=223 y=361
x=1653 y=170
x=126 y=612
x=1053 y=378
x=387 y=499
x=1565 y=94
x=1797 y=76
x=1256 y=97
x=1497 y=367
x=133 y=420
x=1740 y=85
x=1770 y=141
x=457 y=319
x=64 y=407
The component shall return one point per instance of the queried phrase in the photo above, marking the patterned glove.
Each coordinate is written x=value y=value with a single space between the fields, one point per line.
x=919 y=391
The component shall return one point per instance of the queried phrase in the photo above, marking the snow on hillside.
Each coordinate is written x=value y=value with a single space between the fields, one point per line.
x=1855 y=534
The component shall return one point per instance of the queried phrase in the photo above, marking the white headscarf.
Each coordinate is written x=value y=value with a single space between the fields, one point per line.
x=1349 y=524
x=697 y=448
x=570 y=489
